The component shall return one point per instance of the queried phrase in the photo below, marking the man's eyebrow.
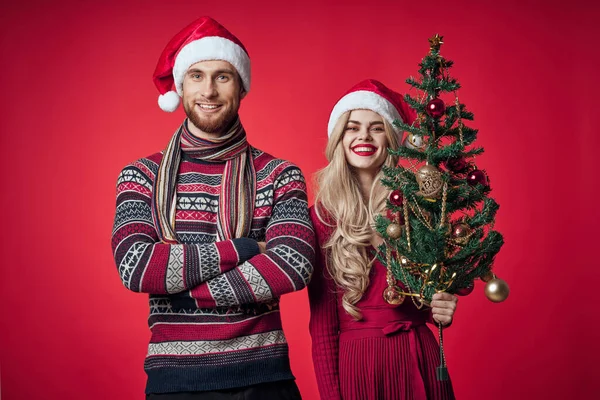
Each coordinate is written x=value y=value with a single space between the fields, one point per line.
x=219 y=71
x=224 y=71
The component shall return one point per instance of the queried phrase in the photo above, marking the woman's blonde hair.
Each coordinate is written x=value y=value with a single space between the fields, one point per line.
x=339 y=195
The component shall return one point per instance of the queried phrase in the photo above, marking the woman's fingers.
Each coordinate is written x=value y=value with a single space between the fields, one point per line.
x=444 y=296
x=443 y=311
x=443 y=306
x=443 y=319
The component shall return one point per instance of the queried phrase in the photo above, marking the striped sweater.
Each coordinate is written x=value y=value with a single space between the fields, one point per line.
x=214 y=314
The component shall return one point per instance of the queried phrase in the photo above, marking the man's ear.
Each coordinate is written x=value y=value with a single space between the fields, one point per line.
x=243 y=93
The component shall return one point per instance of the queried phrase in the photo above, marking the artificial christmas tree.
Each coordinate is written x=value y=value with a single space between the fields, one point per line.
x=438 y=228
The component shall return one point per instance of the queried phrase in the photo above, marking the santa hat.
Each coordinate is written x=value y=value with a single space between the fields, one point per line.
x=204 y=39
x=375 y=96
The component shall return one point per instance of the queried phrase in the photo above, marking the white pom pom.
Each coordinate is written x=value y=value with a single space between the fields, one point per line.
x=169 y=101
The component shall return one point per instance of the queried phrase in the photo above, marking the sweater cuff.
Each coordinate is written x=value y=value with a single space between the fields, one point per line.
x=246 y=248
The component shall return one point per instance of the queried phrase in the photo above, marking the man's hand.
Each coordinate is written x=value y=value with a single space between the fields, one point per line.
x=443 y=306
x=263 y=247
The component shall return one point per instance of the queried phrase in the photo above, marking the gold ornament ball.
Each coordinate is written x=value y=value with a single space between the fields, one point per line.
x=414 y=142
x=394 y=231
x=497 y=290
x=392 y=296
x=430 y=181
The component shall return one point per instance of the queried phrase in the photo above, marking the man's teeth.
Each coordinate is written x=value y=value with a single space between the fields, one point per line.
x=208 y=106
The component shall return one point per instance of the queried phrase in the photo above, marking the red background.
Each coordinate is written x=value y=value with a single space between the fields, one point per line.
x=78 y=104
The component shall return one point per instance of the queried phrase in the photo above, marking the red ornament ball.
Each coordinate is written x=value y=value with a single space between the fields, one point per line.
x=396 y=198
x=457 y=164
x=461 y=233
x=395 y=216
x=436 y=108
x=477 y=176
x=465 y=291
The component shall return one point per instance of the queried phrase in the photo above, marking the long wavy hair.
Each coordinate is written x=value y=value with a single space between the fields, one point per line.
x=339 y=196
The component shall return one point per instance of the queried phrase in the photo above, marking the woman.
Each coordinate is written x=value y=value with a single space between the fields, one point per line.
x=363 y=347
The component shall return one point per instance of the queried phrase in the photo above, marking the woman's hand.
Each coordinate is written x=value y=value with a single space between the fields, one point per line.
x=376 y=241
x=443 y=306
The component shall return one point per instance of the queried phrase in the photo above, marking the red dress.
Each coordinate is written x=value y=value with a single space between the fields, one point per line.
x=390 y=354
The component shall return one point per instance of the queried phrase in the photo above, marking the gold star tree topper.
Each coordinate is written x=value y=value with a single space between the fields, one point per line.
x=435 y=42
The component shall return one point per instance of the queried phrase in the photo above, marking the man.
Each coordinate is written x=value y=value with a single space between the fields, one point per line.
x=215 y=231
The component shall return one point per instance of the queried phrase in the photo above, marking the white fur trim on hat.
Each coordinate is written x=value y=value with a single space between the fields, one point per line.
x=169 y=101
x=211 y=48
x=363 y=100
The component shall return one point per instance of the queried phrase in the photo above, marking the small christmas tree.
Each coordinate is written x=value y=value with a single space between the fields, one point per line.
x=439 y=227
x=438 y=232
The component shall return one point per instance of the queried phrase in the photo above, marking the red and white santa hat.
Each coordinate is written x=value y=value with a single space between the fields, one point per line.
x=375 y=96
x=204 y=39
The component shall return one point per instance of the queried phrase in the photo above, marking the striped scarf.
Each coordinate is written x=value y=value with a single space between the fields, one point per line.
x=238 y=184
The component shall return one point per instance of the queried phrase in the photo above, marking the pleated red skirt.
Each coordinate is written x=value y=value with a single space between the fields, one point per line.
x=400 y=366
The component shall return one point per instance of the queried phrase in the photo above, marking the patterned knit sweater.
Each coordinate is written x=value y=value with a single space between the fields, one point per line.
x=214 y=314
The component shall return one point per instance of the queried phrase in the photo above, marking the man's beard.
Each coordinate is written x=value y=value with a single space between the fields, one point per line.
x=211 y=125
